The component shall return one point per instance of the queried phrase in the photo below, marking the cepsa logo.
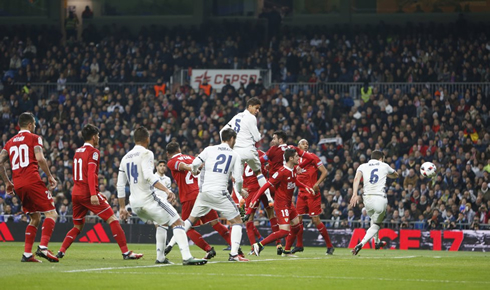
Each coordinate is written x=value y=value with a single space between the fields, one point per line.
x=217 y=78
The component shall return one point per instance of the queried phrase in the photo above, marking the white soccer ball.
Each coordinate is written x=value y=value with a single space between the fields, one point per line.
x=428 y=169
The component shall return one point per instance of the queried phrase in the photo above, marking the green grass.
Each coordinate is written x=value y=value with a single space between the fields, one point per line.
x=100 y=266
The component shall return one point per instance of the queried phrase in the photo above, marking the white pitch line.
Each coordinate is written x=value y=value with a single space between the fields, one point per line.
x=309 y=277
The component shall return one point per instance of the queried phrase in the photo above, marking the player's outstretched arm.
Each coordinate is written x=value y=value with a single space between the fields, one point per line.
x=304 y=186
x=4 y=156
x=38 y=152
x=257 y=196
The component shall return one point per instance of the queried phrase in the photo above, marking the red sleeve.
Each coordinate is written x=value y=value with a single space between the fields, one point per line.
x=92 y=177
x=300 y=184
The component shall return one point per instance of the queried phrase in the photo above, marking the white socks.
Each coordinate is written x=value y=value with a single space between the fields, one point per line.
x=373 y=230
x=236 y=237
x=187 y=226
x=161 y=237
x=181 y=239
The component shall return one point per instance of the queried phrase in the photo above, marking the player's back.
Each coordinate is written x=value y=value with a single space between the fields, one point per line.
x=219 y=163
x=187 y=183
x=245 y=125
x=132 y=165
x=374 y=175
x=84 y=156
x=275 y=155
x=23 y=160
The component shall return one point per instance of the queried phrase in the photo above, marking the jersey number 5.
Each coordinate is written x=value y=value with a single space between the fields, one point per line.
x=237 y=125
x=374 y=177
x=20 y=156
x=221 y=159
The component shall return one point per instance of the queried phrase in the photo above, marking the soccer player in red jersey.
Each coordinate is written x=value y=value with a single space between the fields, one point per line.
x=275 y=157
x=180 y=166
x=308 y=204
x=285 y=182
x=25 y=151
x=86 y=196
x=251 y=184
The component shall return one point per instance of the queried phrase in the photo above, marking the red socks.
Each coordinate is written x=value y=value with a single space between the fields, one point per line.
x=223 y=231
x=323 y=231
x=275 y=228
x=119 y=236
x=198 y=239
x=299 y=236
x=291 y=237
x=70 y=237
x=250 y=232
x=47 y=231
x=274 y=236
x=30 y=236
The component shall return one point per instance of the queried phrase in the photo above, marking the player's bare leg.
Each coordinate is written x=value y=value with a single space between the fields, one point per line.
x=47 y=231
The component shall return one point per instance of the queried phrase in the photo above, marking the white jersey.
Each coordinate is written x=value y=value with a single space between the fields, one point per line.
x=137 y=169
x=165 y=180
x=219 y=162
x=245 y=125
x=374 y=174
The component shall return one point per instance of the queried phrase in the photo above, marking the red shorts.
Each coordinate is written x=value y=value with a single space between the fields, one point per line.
x=81 y=205
x=262 y=199
x=285 y=214
x=186 y=212
x=35 y=197
x=309 y=204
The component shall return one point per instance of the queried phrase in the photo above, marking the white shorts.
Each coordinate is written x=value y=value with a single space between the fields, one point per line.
x=159 y=211
x=222 y=203
x=251 y=156
x=375 y=207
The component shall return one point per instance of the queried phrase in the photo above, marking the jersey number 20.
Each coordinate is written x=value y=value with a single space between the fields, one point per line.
x=20 y=156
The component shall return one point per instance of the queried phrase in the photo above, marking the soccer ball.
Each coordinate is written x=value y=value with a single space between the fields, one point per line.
x=428 y=169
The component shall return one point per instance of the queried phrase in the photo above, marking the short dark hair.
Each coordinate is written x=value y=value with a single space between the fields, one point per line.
x=290 y=152
x=161 y=161
x=376 y=155
x=172 y=147
x=227 y=134
x=89 y=131
x=141 y=134
x=281 y=135
x=25 y=119
x=253 y=102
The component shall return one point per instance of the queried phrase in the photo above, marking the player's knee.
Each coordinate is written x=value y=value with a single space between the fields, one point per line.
x=52 y=214
x=111 y=219
x=315 y=219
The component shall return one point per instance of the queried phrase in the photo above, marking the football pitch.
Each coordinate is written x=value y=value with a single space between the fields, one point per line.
x=100 y=266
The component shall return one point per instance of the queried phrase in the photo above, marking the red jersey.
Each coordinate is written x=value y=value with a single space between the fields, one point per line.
x=187 y=183
x=284 y=181
x=275 y=156
x=23 y=161
x=250 y=181
x=85 y=155
x=309 y=174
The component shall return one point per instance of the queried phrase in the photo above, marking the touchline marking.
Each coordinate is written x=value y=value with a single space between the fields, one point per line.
x=308 y=277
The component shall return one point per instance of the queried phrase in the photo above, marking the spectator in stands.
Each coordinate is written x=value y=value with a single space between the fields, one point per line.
x=87 y=13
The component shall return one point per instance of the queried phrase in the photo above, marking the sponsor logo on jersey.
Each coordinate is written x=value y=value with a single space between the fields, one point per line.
x=291 y=185
x=40 y=141
x=275 y=175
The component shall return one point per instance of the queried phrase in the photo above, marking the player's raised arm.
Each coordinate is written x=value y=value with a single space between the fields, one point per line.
x=38 y=152
x=4 y=156
x=355 y=197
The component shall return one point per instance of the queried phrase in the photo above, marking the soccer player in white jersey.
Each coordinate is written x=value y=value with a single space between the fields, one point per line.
x=219 y=162
x=245 y=125
x=137 y=169
x=161 y=231
x=374 y=175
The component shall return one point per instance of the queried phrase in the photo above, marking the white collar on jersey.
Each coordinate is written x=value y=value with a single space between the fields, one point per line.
x=176 y=155
x=226 y=144
x=290 y=169
x=138 y=146
x=88 y=144
x=22 y=131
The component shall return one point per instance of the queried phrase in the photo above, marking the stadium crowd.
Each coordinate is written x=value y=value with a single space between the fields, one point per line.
x=449 y=129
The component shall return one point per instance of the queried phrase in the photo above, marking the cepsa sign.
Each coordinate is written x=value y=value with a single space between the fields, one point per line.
x=413 y=239
x=217 y=77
